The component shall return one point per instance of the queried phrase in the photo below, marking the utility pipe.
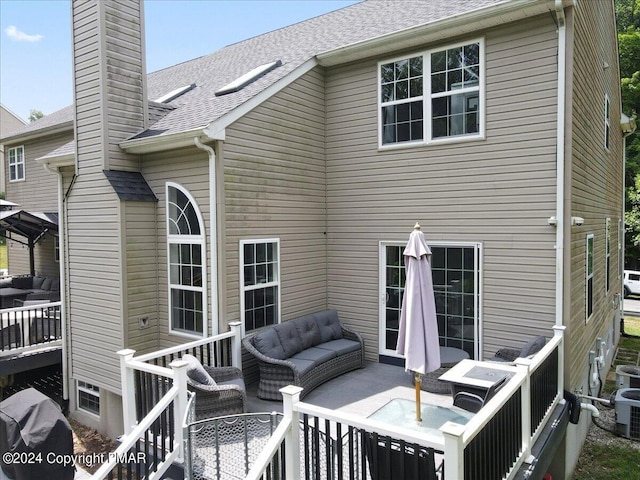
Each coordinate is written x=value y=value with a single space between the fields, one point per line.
x=595 y=413
x=213 y=237
x=560 y=159
x=63 y=284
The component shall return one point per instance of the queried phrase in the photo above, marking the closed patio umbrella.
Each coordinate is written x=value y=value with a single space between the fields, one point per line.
x=418 y=335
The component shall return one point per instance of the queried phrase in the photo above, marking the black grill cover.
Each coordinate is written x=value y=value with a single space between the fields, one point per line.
x=32 y=424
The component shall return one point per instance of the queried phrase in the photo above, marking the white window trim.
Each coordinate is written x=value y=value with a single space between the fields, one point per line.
x=244 y=287
x=191 y=239
x=15 y=164
x=478 y=296
x=426 y=98
x=589 y=276
x=607 y=122
x=607 y=254
x=88 y=391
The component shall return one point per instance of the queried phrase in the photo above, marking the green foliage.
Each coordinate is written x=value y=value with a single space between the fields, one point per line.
x=35 y=115
x=627 y=14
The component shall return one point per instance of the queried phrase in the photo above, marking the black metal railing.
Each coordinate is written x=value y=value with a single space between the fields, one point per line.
x=544 y=389
x=30 y=326
x=495 y=449
x=217 y=354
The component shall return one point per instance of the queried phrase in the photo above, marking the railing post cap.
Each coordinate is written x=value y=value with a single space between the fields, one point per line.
x=291 y=390
x=453 y=429
x=235 y=323
x=127 y=352
x=179 y=363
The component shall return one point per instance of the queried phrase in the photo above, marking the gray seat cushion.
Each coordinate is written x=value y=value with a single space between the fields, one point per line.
x=340 y=346
x=196 y=372
x=268 y=344
x=302 y=366
x=289 y=338
x=329 y=325
x=315 y=354
x=238 y=382
x=308 y=331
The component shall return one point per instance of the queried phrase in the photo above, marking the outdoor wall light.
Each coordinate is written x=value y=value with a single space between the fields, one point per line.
x=553 y=221
x=577 y=221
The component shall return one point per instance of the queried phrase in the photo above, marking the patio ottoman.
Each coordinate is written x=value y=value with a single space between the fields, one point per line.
x=449 y=357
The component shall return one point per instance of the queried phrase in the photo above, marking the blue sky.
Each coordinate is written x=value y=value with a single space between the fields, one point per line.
x=35 y=40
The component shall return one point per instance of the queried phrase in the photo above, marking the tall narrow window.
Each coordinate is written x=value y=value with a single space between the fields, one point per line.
x=186 y=263
x=607 y=121
x=260 y=283
x=16 y=164
x=589 y=276
x=607 y=239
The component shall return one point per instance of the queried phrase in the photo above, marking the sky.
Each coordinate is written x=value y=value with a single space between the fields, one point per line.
x=35 y=40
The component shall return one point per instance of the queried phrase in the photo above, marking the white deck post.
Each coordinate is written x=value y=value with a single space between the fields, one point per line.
x=291 y=396
x=236 y=352
x=525 y=365
x=179 y=368
x=558 y=331
x=453 y=450
x=128 y=391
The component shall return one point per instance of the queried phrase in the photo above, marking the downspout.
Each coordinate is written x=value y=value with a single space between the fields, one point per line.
x=213 y=237
x=63 y=285
x=560 y=159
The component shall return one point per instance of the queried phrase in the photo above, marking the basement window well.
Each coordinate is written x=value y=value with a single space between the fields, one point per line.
x=248 y=78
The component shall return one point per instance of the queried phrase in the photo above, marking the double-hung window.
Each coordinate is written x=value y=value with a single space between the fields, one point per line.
x=432 y=96
x=16 y=164
x=186 y=263
x=260 y=283
x=589 y=276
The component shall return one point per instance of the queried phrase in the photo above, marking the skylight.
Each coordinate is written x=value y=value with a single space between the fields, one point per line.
x=247 y=78
x=172 y=95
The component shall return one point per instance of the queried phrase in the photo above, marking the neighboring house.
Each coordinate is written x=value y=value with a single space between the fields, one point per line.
x=283 y=174
x=9 y=122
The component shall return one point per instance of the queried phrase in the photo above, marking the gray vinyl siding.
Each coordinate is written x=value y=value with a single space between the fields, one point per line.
x=37 y=193
x=190 y=169
x=498 y=192
x=596 y=178
x=141 y=288
x=95 y=281
x=124 y=74
x=274 y=176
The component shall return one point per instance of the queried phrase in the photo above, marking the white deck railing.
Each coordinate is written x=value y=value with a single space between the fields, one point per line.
x=518 y=411
x=152 y=442
x=24 y=329
x=457 y=442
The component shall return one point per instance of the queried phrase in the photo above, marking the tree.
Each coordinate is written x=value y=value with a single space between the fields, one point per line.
x=628 y=22
x=35 y=115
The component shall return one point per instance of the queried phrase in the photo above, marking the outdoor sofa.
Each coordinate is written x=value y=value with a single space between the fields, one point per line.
x=305 y=352
x=16 y=290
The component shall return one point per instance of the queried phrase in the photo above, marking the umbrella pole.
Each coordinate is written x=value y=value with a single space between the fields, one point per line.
x=418 y=405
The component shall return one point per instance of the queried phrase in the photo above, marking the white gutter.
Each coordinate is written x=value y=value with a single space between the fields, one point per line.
x=159 y=143
x=63 y=289
x=560 y=159
x=213 y=237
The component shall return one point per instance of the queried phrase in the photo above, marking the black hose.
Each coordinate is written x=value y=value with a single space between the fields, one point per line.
x=574 y=407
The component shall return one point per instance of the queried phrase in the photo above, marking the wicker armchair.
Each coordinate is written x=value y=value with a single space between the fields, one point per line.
x=219 y=391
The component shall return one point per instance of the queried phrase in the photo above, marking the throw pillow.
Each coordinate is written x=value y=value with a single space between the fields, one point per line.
x=196 y=372
x=37 y=282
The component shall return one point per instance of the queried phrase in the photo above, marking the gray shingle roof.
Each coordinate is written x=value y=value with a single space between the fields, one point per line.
x=130 y=186
x=292 y=45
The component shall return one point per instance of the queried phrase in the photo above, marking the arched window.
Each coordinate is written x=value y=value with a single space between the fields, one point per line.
x=186 y=263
